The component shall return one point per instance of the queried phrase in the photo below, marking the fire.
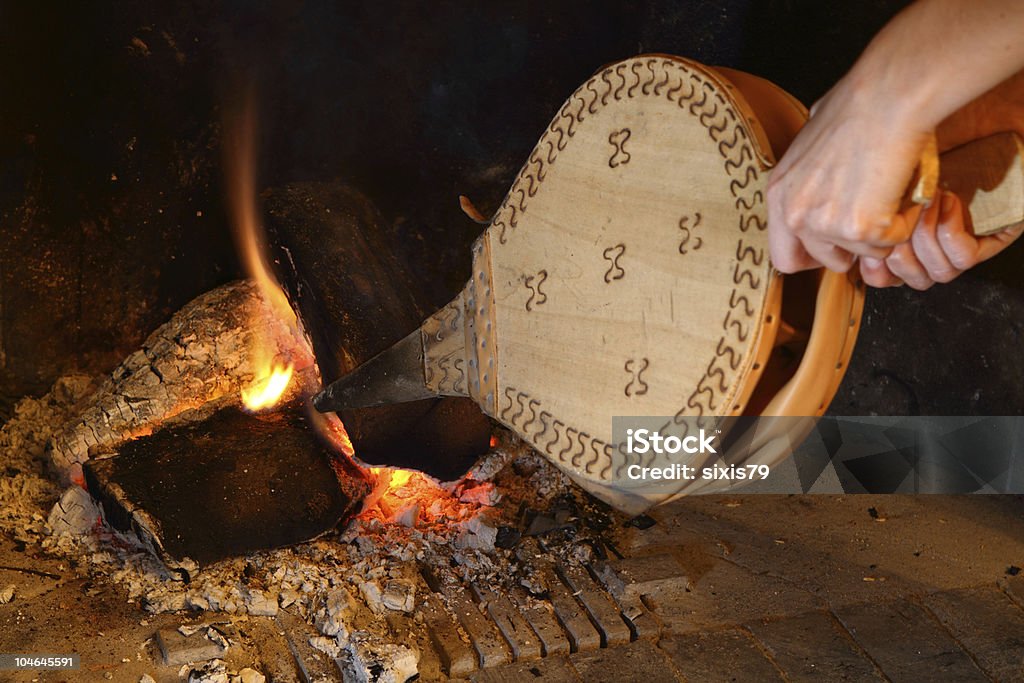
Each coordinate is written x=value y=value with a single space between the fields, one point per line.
x=240 y=132
x=266 y=391
x=391 y=481
x=240 y=129
x=399 y=478
x=329 y=426
x=405 y=497
x=413 y=499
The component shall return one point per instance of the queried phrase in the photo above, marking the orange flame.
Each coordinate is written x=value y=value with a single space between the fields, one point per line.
x=240 y=165
x=271 y=375
x=265 y=392
x=397 y=478
x=413 y=499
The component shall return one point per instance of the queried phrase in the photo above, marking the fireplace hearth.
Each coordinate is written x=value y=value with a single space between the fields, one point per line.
x=171 y=508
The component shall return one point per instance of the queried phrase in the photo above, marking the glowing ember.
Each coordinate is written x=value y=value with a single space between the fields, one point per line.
x=391 y=481
x=413 y=499
x=399 y=478
x=330 y=427
x=266 y=391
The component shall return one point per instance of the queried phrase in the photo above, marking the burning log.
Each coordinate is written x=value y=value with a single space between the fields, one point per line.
x=178 y=462
x=194 y=477
x=200 y=491
x=205 y=352
x=355 y=297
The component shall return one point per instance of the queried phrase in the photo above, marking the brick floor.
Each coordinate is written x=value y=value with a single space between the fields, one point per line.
x=721 y=588
x=814 y=647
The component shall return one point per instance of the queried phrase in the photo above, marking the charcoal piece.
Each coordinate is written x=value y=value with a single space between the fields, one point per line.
x=228 y=485
x=507 y=537
x=539 y=523
x=356 y=295
x=641 y=522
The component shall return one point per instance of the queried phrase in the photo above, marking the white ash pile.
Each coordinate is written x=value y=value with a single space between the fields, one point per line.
x=217 y=671
x=27 y=491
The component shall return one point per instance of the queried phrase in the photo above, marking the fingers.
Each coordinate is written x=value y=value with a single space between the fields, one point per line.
x=963 y=249
x=939 y=250
x=990 y=245
x=804 y=233
x=829 y=255
x=834 y=196
x=920 y=261
x=787 y=252
x=959 y=246
x=925 y=241
x=791 y=246
x=876 y=273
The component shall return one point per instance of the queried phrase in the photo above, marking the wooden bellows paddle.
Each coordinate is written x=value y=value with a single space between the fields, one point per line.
x=627 y=273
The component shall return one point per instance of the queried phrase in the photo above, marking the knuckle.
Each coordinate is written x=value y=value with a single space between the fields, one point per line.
x=873 y=274
x=943 y=275
x=824 y=219
x=853 y=232
x=843 y=262
x=897 y=259
x=961 y=259
x=858 y=231
x=794 y=214
x=872 y=265
x=919 y=283
x=877 y=231
x=880 y=253
x=837 y=266
x=785 y=261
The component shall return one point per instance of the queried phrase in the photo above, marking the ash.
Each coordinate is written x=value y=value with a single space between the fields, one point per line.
x=415 y=537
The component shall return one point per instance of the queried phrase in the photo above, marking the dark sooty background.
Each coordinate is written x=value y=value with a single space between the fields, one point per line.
x=111 y=197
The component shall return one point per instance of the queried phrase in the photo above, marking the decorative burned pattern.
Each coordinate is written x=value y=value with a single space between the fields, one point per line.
x=695 y=91
x=690 y=241
x=612 y=255
x=561 y=442
x=620 y=157
x=636 y=386
x=444 y=350
x=534 y=283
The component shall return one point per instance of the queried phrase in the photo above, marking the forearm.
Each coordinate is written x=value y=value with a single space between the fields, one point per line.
x=835 y=194
x=998 y=110
x=938 y=55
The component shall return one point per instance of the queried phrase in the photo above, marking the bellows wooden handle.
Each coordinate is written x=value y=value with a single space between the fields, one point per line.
x=987 y=175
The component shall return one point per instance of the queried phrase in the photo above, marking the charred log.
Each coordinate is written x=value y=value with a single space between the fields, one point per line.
x=200 y=491
x=204 y=352
x=355 y=296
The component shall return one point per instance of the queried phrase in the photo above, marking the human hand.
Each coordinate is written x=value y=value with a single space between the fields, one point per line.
x=920 y=246
x=940 y=248
x=942 y=245
x=836 y=192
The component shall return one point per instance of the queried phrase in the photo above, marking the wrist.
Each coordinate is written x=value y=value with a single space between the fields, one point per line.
x=937 y=55
x=900 y=91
